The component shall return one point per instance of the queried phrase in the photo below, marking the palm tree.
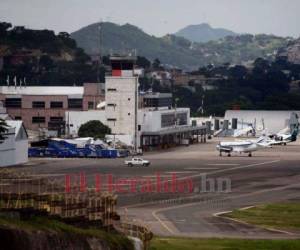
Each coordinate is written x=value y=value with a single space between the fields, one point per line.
x=3 y=129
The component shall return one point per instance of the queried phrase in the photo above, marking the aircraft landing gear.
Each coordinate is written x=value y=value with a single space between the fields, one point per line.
x=229 y=155
x=250 y=155
x=220 y=154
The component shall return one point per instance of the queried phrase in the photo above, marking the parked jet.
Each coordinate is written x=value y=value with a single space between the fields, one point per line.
x=247 y=146
x=284 y=138
x=288 y=134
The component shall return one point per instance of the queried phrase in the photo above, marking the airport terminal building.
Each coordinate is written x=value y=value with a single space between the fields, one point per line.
x=149 y=119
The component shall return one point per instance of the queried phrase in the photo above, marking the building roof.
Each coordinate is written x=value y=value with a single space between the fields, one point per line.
x=179 y=129
x=157 y=95
x=42 y=90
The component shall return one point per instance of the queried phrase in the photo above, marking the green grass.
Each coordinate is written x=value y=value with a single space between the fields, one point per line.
x=115 y=241
x=222 y=244
x=277 y=216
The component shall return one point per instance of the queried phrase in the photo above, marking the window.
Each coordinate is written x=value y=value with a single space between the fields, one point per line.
x=90 y=105
x=56 y=119
x=112 y=121
x=38 y=104
x=181 y=119
x=128 y=114
x=38 y=119
x=127 y=66
x=112 y=105
x=167 y=120
x=111 y=90
x=13 y=102
x=129 y=99
x=75 y=103
x=55 y=105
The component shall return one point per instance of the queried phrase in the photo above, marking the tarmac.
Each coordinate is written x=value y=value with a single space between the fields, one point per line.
x=220 y=184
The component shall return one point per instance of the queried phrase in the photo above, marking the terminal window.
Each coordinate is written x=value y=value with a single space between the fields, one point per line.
x=38 y=104
x=90 y=105
x=38 y=119
x=13 y=102
x=56 y=104
x=75 y=103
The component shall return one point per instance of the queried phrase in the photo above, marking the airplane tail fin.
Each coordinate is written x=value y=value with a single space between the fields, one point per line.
x=294 y=126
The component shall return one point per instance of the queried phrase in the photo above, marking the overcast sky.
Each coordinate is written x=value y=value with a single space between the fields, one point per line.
x=157 y=17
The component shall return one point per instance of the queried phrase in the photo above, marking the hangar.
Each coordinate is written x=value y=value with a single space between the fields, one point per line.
x=272 y=120
x=14 y=149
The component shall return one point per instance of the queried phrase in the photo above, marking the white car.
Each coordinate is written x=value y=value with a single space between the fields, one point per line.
x=137 y=162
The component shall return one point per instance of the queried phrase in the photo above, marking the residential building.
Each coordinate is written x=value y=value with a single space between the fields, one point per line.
x=191 y=79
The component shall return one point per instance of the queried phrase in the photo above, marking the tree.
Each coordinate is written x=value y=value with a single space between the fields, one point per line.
x=156 y=63
x=143 y=62
x=4 y=26
x=95 y=129
x=3 y=129
x=238 y=72
x=46 y=62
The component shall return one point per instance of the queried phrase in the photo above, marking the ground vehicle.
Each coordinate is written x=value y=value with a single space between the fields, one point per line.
x=137 y=162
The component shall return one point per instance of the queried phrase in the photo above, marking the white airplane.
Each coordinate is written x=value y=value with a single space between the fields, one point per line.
x=247 y=146
x=287 y=135
x=284 y=138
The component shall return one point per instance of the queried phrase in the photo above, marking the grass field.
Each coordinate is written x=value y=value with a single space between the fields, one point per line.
x=222 y=244
x=278 y=216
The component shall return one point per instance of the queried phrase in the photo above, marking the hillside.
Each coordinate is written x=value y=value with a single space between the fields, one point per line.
x=50 y=234
x=203 y=33
x=125 y=38
x=291 y=51
x=42 y=57
x=177 y=51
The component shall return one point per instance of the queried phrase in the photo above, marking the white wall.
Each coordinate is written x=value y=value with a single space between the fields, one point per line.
x=77 y=118
x=21 y=151
x=274 y=121
x=7 y=149
x=124 y=99
x=12 y=151
x=151 y=119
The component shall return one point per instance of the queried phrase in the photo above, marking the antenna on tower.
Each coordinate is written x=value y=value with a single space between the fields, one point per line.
x=100 y=27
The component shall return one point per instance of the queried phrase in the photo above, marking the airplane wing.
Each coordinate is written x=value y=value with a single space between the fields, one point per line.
x=225 y=149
